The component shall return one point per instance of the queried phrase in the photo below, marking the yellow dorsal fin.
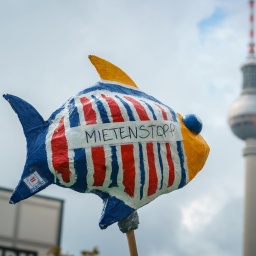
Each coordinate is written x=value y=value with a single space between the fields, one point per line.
x=110 y=72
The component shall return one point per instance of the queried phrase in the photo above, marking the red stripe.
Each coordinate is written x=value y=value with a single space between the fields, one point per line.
x=163 y=112
x=32 y=179
x=127 y=151
x=168 y=152
x=114 y=108
x=170 y=164
x=251 y=48
x=152 y=176
x=129 y=169
x=98 y=157
x=153 y=179
x=251 y=18
x=139 y=109
x=89 y=113
x=60 y=158
x=98 y=153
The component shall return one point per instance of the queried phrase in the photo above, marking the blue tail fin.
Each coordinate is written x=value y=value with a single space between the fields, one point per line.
x=36 y=174
x=28 y=115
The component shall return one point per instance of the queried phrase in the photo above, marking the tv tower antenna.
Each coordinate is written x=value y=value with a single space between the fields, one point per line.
x=242 y=121
x=251 y=32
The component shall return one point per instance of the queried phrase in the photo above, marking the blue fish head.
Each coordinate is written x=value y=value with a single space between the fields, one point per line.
x=36 y=174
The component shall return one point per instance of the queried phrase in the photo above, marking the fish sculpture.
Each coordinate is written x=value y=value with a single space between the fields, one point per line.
x=112 y=140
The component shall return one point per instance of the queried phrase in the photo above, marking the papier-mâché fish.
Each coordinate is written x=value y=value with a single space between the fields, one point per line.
x=113 y=140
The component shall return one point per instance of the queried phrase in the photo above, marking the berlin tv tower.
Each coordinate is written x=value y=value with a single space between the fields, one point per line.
x=242 y=120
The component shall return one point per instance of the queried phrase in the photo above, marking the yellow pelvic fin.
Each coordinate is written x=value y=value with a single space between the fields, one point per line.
x=110 y=72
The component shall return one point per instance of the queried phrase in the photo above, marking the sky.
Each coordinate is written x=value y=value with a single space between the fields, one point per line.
x=187 y=55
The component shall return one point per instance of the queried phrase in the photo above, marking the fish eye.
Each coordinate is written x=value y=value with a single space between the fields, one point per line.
x=193 y=123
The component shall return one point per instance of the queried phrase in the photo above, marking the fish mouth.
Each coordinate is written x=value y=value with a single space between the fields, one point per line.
x=196 y=149
x=197 y=158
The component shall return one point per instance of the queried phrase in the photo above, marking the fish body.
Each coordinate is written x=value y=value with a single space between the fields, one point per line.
x=112 y=140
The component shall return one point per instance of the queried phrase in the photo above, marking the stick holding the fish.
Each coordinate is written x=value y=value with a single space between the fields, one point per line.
x=132 y=243
x=112 y=140
x=127 y=226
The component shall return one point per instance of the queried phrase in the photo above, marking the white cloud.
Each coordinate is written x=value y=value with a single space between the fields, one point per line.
x=200 y=212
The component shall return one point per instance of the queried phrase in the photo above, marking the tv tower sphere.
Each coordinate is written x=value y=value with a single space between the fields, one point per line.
x=242 y=113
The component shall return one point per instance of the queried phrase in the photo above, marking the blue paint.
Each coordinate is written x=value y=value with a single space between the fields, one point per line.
x=150 y=109
x=182 y=159
x=80 y=163
x=73 y=114
x=193 y=123
x=142 y=171
x=115 y=168
x=114 y=210
x=128 y=109
x=35 y=129
x=80 y=157
x=161 y=164
x=102 y=110
x=174 y=117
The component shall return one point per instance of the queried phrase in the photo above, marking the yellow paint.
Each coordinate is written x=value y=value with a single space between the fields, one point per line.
x=196 y=150
x=110 y=72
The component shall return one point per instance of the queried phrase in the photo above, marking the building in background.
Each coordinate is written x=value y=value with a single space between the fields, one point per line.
x=242 y=120
x=31 y=227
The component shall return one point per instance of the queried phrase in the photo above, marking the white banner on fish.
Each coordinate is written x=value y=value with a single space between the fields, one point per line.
x=123 y=133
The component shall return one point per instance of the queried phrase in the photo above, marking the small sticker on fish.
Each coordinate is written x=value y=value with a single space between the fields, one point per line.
x=34 y=181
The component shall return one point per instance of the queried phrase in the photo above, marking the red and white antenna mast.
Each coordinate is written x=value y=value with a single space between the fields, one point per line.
x=251 y=32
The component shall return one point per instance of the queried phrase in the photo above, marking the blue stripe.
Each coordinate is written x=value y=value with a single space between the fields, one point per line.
x=57 y=111
x=101 y=109
x=80 y=163
x=158 y=148
x=128 y=109
x=114 y=167
x=180 y=154
x=151 y=109
x=73 y=114
x=161 y=164
x=174 y=116
x=142 y=171
x=182 y=159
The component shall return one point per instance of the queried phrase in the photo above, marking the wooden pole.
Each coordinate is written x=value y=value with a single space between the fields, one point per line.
x=132 y=243
x=127 y=226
